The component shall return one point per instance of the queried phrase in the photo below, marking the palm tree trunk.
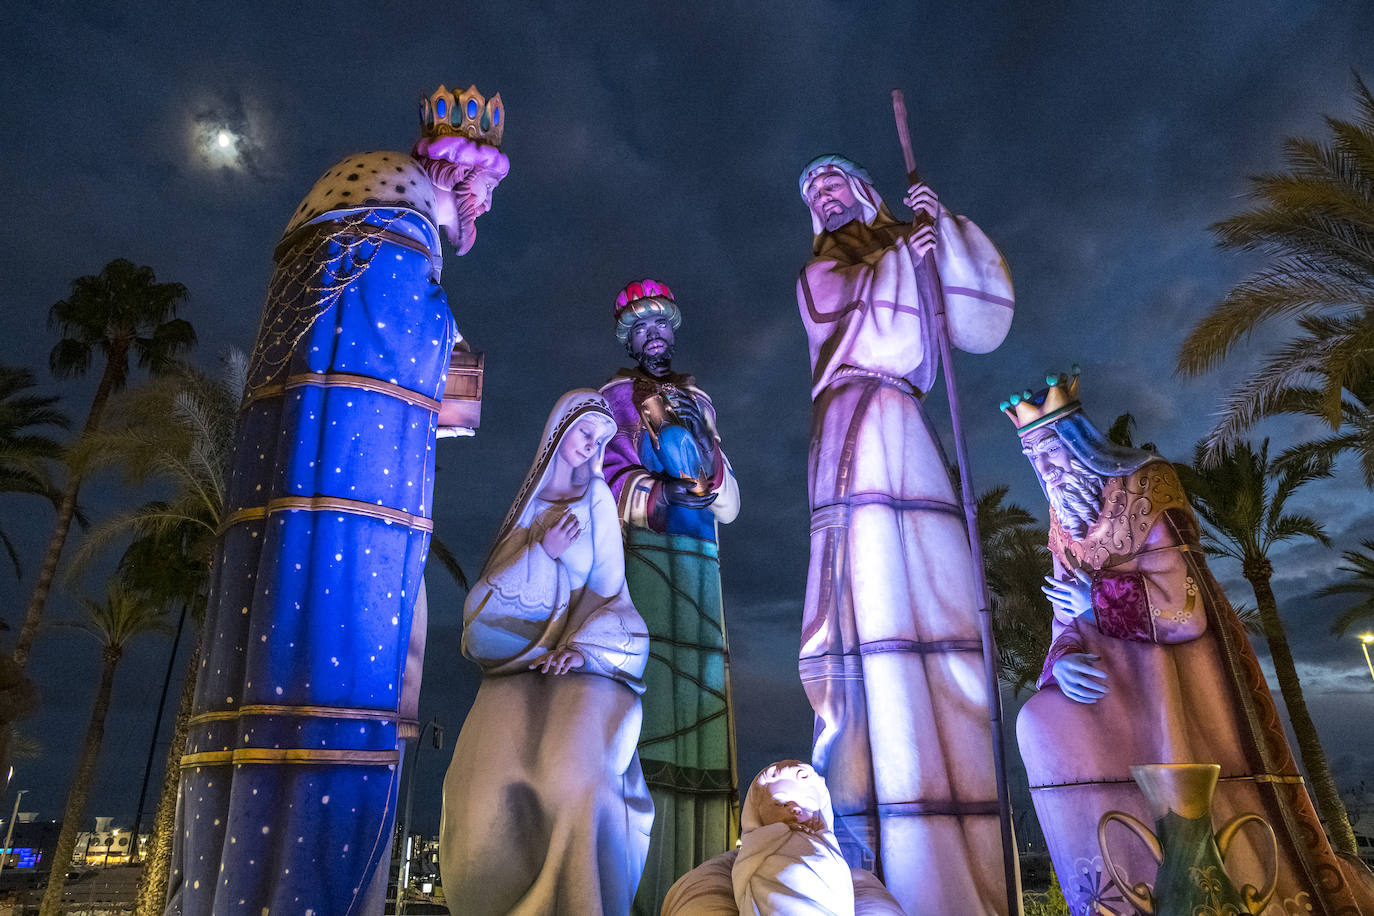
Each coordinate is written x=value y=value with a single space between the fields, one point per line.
x=66 y=509
x=80 y=790
x=33 y=617
x=1330 y=808
x=151 y=896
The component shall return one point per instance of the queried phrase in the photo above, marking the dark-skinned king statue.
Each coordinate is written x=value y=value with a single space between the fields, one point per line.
x=673 y=486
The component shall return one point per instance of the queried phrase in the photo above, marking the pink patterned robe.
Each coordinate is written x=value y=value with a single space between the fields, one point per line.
x=1183 y=687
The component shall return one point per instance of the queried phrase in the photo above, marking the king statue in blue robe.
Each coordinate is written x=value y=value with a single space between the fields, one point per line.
x=315 y=628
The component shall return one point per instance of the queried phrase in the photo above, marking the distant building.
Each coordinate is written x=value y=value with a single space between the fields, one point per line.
x=31 y=849
x=106 y=846
x=31 y=844
x=424 y=894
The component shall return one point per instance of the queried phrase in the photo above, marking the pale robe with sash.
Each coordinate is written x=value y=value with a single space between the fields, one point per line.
x=545 y=806
x=891 y=654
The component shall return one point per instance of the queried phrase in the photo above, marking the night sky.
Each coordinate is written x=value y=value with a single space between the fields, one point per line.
x=1094 y=143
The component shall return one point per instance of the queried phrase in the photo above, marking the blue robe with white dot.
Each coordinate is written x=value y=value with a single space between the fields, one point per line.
x=288 y=788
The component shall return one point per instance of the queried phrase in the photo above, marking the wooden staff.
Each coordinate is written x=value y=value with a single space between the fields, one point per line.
x=933 y=294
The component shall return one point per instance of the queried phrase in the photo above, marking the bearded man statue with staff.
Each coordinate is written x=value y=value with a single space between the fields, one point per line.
x=892 y=654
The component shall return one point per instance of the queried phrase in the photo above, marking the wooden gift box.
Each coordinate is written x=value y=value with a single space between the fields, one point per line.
x=462 y=403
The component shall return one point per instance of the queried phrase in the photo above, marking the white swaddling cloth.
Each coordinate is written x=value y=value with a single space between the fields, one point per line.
x=789 y=863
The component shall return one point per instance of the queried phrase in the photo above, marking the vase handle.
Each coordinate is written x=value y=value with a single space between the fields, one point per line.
x=1255 y=901
x=1139 y=894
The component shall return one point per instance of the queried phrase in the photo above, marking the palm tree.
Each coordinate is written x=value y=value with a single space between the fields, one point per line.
x=1017 y=561
x=1315 y=223
x=1122 y=432
x=1244 y=518
x=25 y=455
x=124 y=313
x=1022 y=617
x=172 y=570
x=1360 y=565
x=25 y=459
x=114 y=621
x=176 y=430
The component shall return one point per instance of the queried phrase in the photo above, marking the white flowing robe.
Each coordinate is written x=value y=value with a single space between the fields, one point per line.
x=545 y=806
x=891 y=653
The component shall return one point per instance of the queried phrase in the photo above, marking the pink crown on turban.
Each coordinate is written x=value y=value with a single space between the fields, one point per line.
x=644 y=299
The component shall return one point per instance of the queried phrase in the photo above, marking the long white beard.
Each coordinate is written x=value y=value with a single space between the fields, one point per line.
x=1077 y=499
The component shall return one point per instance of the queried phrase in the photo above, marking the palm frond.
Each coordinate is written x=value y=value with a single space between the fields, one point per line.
x=1359 y=567
x=11 y=553
x=1249 y=618
x=121 y=616
x=441 y=552
x=1289 y=527
x=1315 y=223
x=1122 y=429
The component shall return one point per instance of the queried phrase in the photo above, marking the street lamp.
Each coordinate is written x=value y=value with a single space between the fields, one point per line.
x=1366 y=639
x=403 y=877
x=9 y=832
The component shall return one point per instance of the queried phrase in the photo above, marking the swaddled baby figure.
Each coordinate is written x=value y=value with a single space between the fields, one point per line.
x=788 y=862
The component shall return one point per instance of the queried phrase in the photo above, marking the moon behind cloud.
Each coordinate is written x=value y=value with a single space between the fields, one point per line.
x=225 y=133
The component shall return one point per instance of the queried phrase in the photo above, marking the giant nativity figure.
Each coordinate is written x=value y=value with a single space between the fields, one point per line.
x=1149 y=664
x=315 y=626
x=891 y=657
x=545 y=805
x=673 y=484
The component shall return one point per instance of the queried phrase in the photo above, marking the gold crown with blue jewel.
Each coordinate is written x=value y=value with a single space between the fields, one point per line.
x=1031 y=410
x=467 y=114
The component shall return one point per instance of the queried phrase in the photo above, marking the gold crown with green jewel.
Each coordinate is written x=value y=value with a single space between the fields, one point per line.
x=1031 y=410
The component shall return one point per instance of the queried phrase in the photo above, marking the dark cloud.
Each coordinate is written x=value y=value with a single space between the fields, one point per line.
x=1093 y=145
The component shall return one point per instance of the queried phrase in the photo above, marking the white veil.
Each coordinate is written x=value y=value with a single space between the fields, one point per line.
x=570 y=409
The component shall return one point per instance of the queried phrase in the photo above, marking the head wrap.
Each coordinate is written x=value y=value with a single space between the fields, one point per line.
x=1091 y=446
x=644 y=299
x=855 y=175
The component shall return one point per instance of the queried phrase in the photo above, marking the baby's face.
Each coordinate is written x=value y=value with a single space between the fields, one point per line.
x=794 y=795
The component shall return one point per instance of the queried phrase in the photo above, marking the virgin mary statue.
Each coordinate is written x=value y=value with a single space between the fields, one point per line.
x=545 y=807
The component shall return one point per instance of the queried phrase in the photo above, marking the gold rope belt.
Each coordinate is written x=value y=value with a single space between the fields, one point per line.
x=291 y=755
x=326 y=504
x=341 y=380
x=315 y=712
x=1276 y=778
